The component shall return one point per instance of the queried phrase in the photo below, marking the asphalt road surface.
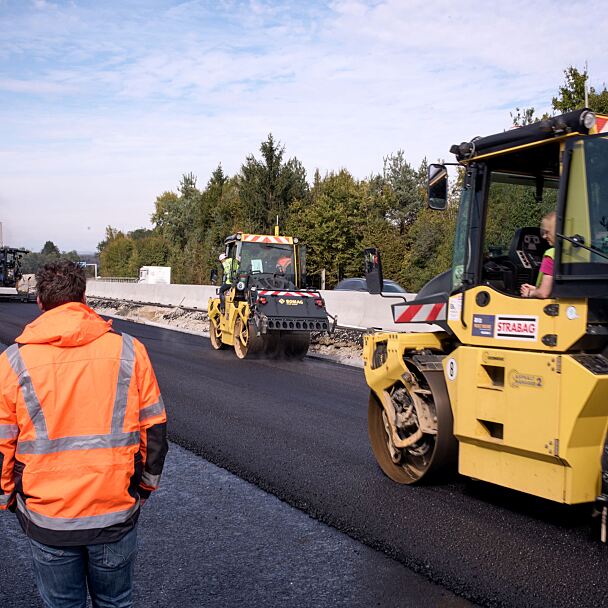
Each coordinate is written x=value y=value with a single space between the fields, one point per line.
x=299 y=431
x=208 y=538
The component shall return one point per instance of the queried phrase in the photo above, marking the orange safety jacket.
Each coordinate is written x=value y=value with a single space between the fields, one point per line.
x=82 y=428
x=284 y=262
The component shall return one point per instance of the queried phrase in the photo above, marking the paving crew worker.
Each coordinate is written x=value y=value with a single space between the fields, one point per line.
x=82 y=443
x=229 y=266
x=284 y=263
x=544 y=281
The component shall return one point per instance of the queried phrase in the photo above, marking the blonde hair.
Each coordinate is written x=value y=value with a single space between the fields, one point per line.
x=548 y=222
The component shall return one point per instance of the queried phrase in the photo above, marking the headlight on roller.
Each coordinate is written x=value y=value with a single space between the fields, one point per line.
x=588 y=119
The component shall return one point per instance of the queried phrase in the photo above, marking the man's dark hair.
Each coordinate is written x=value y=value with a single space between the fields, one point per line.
x=59 y=283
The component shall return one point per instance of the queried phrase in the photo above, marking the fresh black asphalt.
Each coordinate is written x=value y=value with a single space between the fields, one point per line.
x=298 y=430
x=208 y=538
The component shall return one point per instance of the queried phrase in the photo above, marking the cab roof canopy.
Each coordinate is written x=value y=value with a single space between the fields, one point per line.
x=7 y=249
x=529 y=150
x=541 y=160
x=260 y=238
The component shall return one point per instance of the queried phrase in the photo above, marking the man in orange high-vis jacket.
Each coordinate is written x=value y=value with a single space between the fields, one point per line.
x=82 y=443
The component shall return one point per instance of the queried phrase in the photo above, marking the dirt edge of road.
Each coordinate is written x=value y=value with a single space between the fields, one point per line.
x=344 y=346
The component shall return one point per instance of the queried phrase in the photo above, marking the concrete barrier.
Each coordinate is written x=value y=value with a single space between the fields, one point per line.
x=188 y=296
x=353 y=308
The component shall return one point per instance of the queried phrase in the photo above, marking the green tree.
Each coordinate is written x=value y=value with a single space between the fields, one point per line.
x=115 y=255
x=429 y=245
x=111 y=234
x=175 y=214
x=224 y=215
x=330 y=226
x=151 y=250
x=268 y=187
x=510 y=207
x=429 y=242
x=50 y=248
x=70 y=255
x=164 y=207
x=571 y=95
x=140 y=233
x=175 y=220
x=32 y=262
x=405 y=188
x=522 y=117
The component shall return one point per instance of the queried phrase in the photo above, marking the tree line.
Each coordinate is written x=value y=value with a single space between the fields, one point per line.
x=31 y=262
x=336 y=215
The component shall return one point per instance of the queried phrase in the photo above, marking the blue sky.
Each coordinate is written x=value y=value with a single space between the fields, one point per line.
x=105 y=104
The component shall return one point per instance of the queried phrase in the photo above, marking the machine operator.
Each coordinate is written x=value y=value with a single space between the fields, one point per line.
x=229 y=266
x=544 y=282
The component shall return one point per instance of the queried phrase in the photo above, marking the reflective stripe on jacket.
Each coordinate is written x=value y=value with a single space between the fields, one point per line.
x=82 y=428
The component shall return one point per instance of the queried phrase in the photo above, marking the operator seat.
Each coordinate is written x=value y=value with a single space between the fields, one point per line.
x=526 y=253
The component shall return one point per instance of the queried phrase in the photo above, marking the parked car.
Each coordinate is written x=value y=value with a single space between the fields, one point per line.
x=358 y=284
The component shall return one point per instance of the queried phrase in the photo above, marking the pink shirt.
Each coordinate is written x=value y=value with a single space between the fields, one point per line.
x=546 y=266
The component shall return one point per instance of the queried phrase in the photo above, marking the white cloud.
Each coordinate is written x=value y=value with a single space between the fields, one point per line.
x=44 y=4
x=105 y=105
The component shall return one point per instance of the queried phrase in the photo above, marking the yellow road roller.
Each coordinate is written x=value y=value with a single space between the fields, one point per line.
x=510 y=383
x=267 y=309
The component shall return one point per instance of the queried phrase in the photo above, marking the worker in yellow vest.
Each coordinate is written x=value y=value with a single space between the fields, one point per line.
x=229 y=266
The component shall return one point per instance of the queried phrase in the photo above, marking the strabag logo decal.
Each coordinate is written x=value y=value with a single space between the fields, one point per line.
x=516 y=327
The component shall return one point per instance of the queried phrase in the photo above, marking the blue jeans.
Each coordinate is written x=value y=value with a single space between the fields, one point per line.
x=63 y=573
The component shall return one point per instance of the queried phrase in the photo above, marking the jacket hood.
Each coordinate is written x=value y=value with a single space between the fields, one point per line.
x=71 y=324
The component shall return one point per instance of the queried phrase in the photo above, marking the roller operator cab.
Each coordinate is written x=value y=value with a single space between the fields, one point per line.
x=511 y=390
x=267 y=310
x=10 y=273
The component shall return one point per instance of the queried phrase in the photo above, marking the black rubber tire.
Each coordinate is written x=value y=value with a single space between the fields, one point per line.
x=443 y=458
x=246 y=343
x=379 y=445
x=215 y=335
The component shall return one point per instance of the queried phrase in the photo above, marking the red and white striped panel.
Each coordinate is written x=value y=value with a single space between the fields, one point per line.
x=419 y=313
x=289 y=294
x=601 y=124
x=265 y=238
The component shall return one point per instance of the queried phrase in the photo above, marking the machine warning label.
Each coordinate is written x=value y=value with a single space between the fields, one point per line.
x=455 y=306
x=516 y=327
x=483 y=325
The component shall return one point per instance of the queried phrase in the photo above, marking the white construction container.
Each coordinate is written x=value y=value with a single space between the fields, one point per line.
x=153 y=275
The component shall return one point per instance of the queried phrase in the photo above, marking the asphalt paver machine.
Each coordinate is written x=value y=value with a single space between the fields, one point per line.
x=510 y=390
x=268 y=310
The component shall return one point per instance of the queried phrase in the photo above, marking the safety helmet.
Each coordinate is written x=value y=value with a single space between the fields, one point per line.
x=223 y=256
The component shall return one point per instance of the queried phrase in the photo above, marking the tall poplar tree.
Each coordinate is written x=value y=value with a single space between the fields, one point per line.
x=269 y=186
